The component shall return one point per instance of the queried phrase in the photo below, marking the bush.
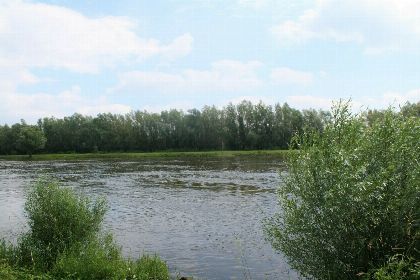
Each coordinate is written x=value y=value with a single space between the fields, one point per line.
x=7 y=253
x=9 y=273
x=98 y=259
x=65 y=242
x=57 y=218
x=351 y=198
x=149 y=268
x=397 y=268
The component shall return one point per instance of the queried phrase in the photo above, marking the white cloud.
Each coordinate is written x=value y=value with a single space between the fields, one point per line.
x=308 y=101
x=377 y=25
x=286 y=75
x=181 y=46
x=255 y=4
x=42 y=35
x=36 y=35
x=391 y=98
x=360 y=103
x=180 y=105
x=255 y=99
x=224 y=75
x=31 y=107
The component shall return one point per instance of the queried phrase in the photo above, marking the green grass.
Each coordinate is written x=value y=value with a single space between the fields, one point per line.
x=138 y=155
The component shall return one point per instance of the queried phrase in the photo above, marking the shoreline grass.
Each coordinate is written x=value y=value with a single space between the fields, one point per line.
x=140 y=155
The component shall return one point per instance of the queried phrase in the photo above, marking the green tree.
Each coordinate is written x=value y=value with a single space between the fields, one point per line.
x=30 y=139
x=351 y=198
x=230 y=124
x=6 y=144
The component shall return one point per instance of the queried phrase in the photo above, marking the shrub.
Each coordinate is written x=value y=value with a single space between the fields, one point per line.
x=149 y=268
x=351 y=198
x=65 y=242
x=57 y=218
x=397 y=268
x=7 y=253
x=9 y=273
x=98 y=259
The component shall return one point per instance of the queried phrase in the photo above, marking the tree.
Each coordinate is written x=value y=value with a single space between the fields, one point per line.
x=230 y=125
x=30 y=139
x=238 y=127
x=351 y=199
x=6 y=144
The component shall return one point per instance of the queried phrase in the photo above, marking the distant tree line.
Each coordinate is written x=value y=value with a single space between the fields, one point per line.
x=234 y=127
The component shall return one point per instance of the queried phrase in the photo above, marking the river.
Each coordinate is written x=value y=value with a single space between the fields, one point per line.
x=202 y=216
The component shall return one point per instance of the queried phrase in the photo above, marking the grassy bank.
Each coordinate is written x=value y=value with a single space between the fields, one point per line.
x=202 y=154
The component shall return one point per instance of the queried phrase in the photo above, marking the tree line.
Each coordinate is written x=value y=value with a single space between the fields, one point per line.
x=243 y=126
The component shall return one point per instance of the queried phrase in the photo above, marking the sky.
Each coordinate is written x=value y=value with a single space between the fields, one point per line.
x=88 y=56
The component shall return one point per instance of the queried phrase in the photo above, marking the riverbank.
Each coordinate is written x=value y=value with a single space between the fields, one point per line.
x=139 y=155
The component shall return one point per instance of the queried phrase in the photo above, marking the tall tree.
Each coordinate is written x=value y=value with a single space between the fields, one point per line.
x=30 y=139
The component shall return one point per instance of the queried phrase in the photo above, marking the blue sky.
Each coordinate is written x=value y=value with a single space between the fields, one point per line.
x=60 y=57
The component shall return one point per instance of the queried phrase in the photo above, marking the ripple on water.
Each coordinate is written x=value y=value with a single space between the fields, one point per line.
x=202 y=216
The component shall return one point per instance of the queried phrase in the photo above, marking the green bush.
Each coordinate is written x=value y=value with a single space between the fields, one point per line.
x=351 y=198
x=65 y=242
x=98 y=259
x=397 y=268
x=9 y=273
x=149 y=268
x=57 y=219
x=7 y=253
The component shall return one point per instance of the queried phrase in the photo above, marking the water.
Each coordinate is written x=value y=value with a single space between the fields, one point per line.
x=202 y=216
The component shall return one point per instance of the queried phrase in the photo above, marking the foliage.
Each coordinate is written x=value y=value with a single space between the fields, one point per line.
x=243 y=126
x=65 y=242
x=9 y=273
x=58 y=218
x=7 y=253
x=98 y=259
x=148 y=268
x=351 y=198
x=408 y=110
x=397 y=268
x=30 y=139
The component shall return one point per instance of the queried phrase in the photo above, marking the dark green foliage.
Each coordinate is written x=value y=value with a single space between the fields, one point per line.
x=244 y=126
x=7 y=252
x=30 y=139
x=65 y=242
x=21 y=138
x=351 y=199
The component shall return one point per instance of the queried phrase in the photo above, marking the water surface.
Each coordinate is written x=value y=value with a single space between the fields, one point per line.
x=202 y=216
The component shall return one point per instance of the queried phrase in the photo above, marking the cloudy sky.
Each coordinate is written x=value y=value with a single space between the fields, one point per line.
x=90 y=56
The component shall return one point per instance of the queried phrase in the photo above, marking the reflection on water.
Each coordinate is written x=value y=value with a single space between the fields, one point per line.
x=203 y=216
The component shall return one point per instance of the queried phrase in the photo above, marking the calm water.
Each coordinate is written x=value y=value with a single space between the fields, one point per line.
x=204 y=217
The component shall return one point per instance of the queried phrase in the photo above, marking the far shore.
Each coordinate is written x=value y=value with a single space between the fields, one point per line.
x=139 y=155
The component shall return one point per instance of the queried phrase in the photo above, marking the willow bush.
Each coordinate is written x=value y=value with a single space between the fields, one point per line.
x=58 y=219
x=65 y=241
x=350 y=201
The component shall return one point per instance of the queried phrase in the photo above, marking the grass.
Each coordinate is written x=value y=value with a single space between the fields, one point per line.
x=139 y=155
